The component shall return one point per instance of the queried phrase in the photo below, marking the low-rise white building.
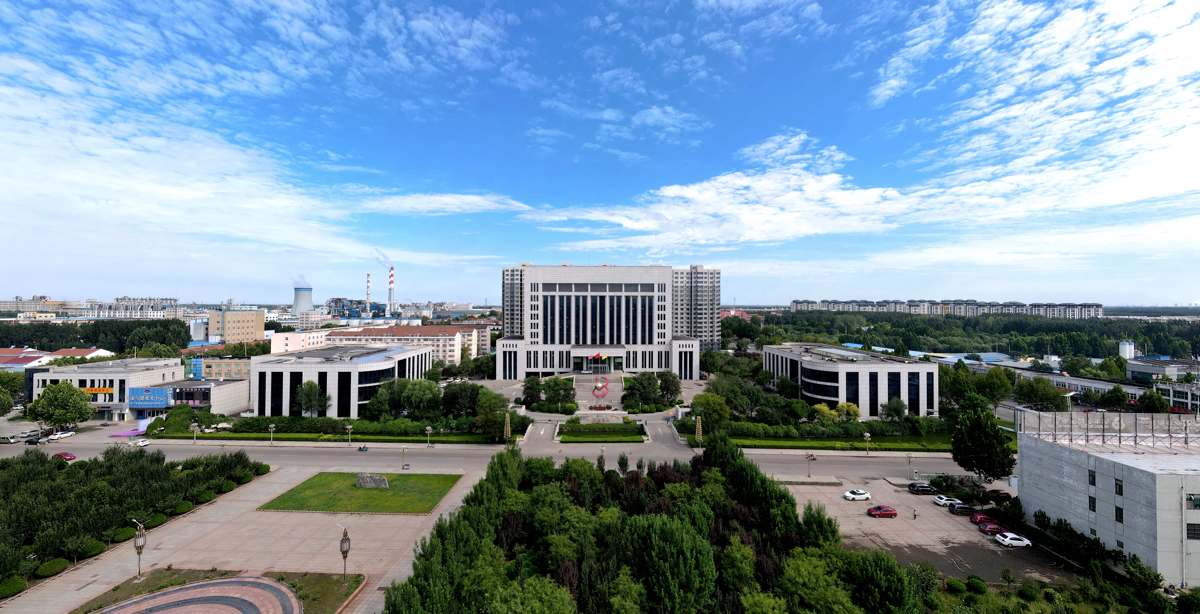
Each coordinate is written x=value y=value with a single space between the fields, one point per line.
x=446 y=342
x=298 y=340
x=831 y=375
x=113 y=383
x=350 y=375
x=1130 y=480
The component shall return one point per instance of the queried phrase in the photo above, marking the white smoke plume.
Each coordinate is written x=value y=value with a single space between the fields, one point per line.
x=298 y=281
x=382 y=258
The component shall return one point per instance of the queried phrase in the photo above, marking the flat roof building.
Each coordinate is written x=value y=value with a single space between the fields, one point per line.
x=237 y=325
x=830 y=374
x=1130 y=480
x=447 y=342
x=114 y=384
x=600 y=319
x=350 y=375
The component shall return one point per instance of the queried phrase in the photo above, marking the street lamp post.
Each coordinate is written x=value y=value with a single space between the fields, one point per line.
x=909 y=456
x=809 y=457
x=428 y=435
x=139 y=542
x=345 y=547
x=271 y=427
x=867 y=437
x=194 y=428
x=349 y=437
x=403 y=454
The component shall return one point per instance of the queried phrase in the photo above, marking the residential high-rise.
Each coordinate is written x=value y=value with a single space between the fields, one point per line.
x=597 y=319
x=697 y=305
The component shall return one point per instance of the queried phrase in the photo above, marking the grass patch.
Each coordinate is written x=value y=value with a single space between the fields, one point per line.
x=156 y=580
x=938 y=442
x=319 y=593
x=601 y=438
x=464 y=438
x=416 y=493
x=1007 y=423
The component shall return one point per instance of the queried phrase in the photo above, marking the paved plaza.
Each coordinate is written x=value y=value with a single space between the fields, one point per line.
x=230 y=533
x=240 y=595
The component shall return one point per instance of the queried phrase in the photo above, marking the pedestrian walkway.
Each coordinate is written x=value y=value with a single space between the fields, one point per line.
x=244 y=595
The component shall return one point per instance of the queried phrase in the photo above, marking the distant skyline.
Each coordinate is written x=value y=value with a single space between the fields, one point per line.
x=995 y=150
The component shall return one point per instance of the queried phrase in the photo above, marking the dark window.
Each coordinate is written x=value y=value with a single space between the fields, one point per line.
x=929 y=396
x=852 y=387
x=647 y=287
x=1120 y=544
x=1193 y=502
x=1120 y=515
x=367 y=378
x=343 y=394
x=893 y=385
x=628 y=321
x=581 y=287
x=1193 y=531
x=794 y=370
x=262 y=392
x=1119 y=487
x=603 y=320
x=1091 y=504
x=592 y=337
x=295 y=379
x=277 y=393
x=1091 y=477
x=549 y=287
x=824 y=390
x=564 y=327
x=121 y=395
x=819 y=375
x=612 y=321
x=873 y=393
x=599 y=287
x=323 y=383
x=914 y=394
x=631 y=287
x=548 y=314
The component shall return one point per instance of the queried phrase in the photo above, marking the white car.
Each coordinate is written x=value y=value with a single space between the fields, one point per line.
x=857 y=495
x=141 y=443
x=586 y=372
x=945 y=501
x=1012 y=540
x=65 y=434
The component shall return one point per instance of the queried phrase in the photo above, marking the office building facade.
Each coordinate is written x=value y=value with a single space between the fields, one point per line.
x=602 y=319
x=237 y=326
x=350 y=375
x=446 y=342
x=831 y=375
x=696 y=305
x=113 y=384
x=958 y=307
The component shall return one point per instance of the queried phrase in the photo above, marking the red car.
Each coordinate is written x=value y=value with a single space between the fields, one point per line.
x=991 y=528
x=979 y=517
x=67 y=456
x=882 y=511
x=1001 y=495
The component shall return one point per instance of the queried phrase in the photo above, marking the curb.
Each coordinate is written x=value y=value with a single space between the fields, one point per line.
x=346 y=605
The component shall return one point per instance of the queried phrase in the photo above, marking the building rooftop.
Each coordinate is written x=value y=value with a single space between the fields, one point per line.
x=404 y=331
x=831 y=353
x=76 y=352
x=1161 y=443
x=338 y=353
x=122 y=365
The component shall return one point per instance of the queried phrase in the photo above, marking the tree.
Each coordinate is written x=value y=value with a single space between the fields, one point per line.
x=459 y=400
x=424 y=399
x=1039 y=394
x=531 y=391
x=994 y=386
x=642 y=387
x=13 y=382
x=433 y=374
x=974 y=356
x=311 y=400
x=901 y=350
x=559 y=390
x=490 y=408
x=1152 y=402
x=711 y=408
x=60 y=404
x=848 y=412
x=824 y=414
x=536 y=595
x=669 y=387
x=978 y=444
x=709 y=361
x=6 y=402
x=742 y=344
x=1076 y=365
x=763 y=378
x=623 y=463
x=894 y=410
x=1114 y=398
x=1041 y=367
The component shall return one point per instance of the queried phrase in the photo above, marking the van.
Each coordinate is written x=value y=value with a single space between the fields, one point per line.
x=10 y=439
x=28 y=434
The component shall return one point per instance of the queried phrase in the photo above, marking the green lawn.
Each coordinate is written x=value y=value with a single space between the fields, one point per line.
x=467 y=438
x=320 y=593
x=153 y=581
x=416 y=493
x=601 y=438
x=939 y=442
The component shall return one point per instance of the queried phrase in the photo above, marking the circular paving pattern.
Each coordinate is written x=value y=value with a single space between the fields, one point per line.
x=239 y=595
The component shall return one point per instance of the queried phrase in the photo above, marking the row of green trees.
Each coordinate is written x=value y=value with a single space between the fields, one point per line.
x=713 y=535
x=50 y=509
x=119 y=336
x=647 y=388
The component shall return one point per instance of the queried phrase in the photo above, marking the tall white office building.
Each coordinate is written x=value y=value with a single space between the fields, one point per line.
x=604 y=319
x=697 y=305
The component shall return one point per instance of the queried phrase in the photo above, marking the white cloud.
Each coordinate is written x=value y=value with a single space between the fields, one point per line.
x=443 y=204
x=623 y=80
x=547 y=136
x=667 y=122
x=571 y=109
x=624 y=156
x=927 y=34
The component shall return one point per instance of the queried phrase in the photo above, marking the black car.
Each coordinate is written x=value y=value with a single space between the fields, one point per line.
x=922 y=488
x=32 y=441
x=962 y=510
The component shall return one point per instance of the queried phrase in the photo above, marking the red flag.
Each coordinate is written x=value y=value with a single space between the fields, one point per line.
x=597 y=356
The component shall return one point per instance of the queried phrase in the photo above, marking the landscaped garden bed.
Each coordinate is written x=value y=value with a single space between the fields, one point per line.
x=417 y=493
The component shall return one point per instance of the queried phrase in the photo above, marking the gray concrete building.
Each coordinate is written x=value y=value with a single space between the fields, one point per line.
x=830 y=374
x=1131 y=480
x=594 y=319
x=696 y=305
x=115 y=384
x=351 y=375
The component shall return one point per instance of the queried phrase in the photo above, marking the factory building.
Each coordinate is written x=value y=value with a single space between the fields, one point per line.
x=446 y=342
x=831 y=375
x=601 y=319
x=350 y=375
x=957 y=307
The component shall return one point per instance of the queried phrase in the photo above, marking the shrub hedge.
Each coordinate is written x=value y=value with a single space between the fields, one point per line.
x=155 y=520
x=815 y=430
x=227 y=486
x=205 y=496
x=262 y=469
x=245 y=478
x=124 y=534
x=183 y=508
x=1028 y=593
x=51 y=567
x=11 y=587
x=97 y=548
x=955 y=587
x=976 y=585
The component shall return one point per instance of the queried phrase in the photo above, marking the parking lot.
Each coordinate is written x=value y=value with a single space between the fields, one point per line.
x=950 y=542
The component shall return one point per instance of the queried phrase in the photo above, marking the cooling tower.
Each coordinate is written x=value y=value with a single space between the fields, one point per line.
x=303 y=300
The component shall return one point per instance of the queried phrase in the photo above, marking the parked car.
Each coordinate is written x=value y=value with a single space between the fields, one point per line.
x=703 y=376
x=857 y=495
x=67 y=456
x=31 y=433
x=1012 y=540
x=922 y=488
x=1001 y=495
x=882 y=511
x=944 y=501
x=140 y=443
x=980 y=517
x=962 y=509
x=105 y=424
x=991 y=528
x=33 y=441
x=10 y=439
x=61 y=435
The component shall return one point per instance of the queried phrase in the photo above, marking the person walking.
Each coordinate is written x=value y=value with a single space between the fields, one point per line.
x=914 y=513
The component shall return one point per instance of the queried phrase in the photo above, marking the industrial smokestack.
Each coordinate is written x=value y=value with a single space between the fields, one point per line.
x=369 y=312
x=303 y=301
x=391 y=290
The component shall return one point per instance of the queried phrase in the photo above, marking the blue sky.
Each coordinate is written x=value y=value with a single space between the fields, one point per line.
x=997 y=150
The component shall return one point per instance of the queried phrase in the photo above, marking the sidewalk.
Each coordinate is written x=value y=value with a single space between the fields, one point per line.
x=247 y=443
x=858 y=453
